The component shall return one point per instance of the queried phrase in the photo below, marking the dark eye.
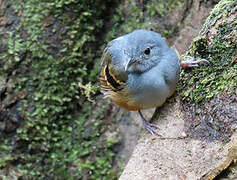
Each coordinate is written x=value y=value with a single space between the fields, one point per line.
x=147 y=51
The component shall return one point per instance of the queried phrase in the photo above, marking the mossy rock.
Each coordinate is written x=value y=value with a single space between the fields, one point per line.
x=212 y=84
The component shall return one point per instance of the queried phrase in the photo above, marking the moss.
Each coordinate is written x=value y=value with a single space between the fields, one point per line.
x=223 y=9
x=162 y=8
x=50 y=55
x=152 y=15
x=219 y=47
x=199 y=47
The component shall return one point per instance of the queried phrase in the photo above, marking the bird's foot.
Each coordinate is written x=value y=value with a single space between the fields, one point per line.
x=190 y=62
x=149 y=126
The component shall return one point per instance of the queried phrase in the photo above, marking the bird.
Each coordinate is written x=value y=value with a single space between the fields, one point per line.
x=140 y=71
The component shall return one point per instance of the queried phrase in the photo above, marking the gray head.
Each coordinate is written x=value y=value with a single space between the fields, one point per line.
x=140 y=50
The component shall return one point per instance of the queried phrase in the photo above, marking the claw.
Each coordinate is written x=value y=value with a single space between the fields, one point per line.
x=149 y=126
x=191 y=62
x=153 y=125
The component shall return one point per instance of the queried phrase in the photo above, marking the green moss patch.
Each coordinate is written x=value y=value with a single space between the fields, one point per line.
x=208 y=92
x=50 y=48
x=203 y=83
x=152 y=15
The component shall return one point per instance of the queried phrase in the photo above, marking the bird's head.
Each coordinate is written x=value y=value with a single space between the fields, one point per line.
x=140 y=50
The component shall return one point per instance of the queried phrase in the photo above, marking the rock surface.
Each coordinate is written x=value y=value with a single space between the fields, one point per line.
x=177 y=156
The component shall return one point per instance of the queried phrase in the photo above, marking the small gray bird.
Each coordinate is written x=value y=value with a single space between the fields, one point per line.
x=140 y=71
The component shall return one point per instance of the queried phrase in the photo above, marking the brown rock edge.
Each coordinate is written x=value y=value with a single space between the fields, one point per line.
x=177 y=156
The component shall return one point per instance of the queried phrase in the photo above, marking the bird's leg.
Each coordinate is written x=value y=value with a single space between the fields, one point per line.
x=190 y=62
x=155 y=114
x=149 y=126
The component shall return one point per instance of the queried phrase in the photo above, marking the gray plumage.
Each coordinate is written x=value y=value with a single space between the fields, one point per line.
x=139 y=71
x=150 y=68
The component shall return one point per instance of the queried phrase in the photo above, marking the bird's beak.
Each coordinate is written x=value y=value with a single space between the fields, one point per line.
x=129 y=63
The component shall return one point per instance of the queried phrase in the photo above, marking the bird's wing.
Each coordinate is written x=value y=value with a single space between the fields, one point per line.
x=112 y=75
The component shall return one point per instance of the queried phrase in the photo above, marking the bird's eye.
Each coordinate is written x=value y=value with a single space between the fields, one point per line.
x=147 y=51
